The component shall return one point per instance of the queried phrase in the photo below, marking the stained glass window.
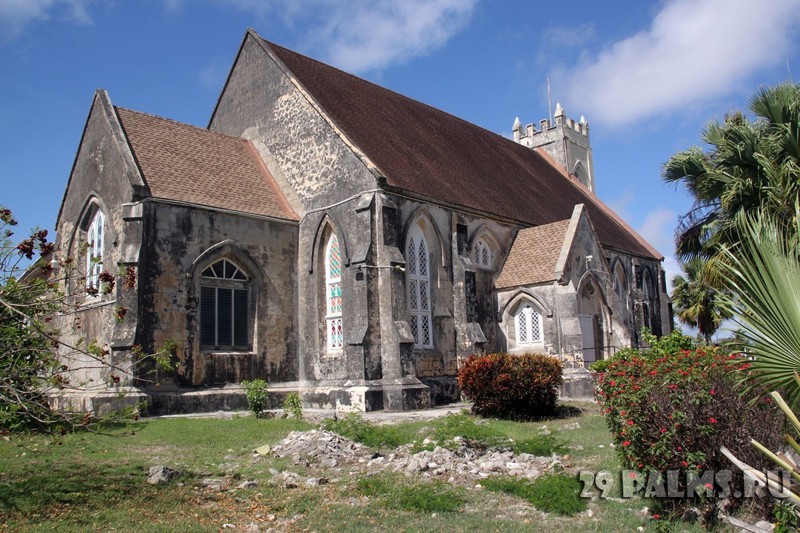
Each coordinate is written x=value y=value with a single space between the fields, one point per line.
x=224 y=307
x=529 y=325
x=418 y=283
x=333 y=294
x=94 y=251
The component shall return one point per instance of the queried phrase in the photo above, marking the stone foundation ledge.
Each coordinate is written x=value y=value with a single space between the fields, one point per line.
x=578 y=384
x=403 y=394
x=99 y=402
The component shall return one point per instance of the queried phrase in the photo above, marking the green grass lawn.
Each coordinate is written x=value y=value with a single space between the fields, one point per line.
x=97 y=482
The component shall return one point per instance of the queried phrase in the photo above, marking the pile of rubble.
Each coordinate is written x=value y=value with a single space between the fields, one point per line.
x=457 y=463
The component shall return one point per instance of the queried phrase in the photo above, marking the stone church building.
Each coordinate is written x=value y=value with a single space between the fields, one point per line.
x=341 y=240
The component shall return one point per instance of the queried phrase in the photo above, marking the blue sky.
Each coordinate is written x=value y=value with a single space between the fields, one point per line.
x=646 y=75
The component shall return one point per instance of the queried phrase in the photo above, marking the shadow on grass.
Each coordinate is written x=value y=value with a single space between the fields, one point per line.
x=561 y=412
x=40 y=489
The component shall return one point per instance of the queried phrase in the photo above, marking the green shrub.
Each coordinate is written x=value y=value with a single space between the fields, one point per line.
x=551 y=493
x=511 y=386
x=673 y=407
x=257 y=396
x=600 y=366
x=397 y=492
x=293 y=405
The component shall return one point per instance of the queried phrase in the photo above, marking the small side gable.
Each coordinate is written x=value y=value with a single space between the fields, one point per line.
x=534 y=255
x=104 y=167
x=582 y=251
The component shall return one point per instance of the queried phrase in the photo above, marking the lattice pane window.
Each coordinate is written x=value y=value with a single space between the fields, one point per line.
x=522 y=328
x=94 y=251
x=411 y=257
x=333 y=294
x=528 y=321
x=481 y=254
x=418 y=283
x=224 y=307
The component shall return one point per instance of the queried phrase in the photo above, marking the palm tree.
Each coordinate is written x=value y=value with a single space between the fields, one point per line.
x=696 y=303
x=750 y=166
x=765 y=268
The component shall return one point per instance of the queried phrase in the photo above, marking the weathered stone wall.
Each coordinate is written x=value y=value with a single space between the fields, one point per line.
x=309 y=159
x=182 y=241
x=105 y=178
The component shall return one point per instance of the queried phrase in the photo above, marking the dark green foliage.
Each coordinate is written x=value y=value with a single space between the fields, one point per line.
x=749 y=165
x=552 y=493
x=697 y=304
x=511 y=386
x=398 y=492
x=785 y=516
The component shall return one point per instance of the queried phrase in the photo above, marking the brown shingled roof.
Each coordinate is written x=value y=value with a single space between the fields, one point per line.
x=189 y=164
x=423 y=150
x=533 y=256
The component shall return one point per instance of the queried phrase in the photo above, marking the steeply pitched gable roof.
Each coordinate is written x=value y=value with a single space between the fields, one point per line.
x=534 y=255
x=188 y=164
x=423 y=150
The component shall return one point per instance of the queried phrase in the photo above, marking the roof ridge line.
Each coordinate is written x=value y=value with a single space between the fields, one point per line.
x=179 y=123
x=401 y=95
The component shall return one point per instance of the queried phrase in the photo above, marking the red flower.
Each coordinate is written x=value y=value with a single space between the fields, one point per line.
x=630 y=422
x=712 y=420
x=626 y=443
x=684 y=463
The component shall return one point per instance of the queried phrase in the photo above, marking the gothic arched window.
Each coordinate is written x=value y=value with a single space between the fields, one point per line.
x=224 y=307
x=647 y=299
x=418 y=281
x=94 y=250
x=620 y=283
x=528 y=323
x=482 y=254
x=333 y=294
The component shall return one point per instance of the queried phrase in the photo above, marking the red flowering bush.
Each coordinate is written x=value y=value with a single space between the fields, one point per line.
x=511 y=386
x=673 y=407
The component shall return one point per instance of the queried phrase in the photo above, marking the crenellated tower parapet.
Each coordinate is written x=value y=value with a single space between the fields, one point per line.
x=566 y=140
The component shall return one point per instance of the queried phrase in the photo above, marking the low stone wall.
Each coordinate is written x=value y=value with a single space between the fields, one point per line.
x=578 y=384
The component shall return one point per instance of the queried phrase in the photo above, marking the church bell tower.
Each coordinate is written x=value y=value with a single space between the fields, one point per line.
x=565 y=140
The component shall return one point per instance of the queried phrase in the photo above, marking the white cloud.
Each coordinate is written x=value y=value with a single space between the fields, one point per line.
x=16 y=15
x=694 y=51
x=369 y=34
